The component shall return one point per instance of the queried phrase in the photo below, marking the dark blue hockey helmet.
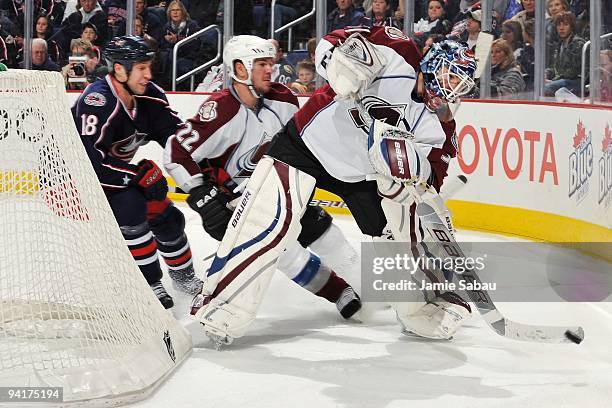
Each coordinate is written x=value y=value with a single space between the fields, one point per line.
x=127 y=50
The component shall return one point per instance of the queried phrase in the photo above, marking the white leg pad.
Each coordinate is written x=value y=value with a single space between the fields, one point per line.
x=265 y=221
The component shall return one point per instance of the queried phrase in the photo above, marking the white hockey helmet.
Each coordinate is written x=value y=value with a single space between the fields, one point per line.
x=246 y=49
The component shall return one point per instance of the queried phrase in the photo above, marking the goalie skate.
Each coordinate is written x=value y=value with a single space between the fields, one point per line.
x=438 y=319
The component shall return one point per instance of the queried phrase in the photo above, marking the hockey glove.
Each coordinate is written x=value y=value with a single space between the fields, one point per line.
x=353 y=66
x=211 y=202
x=150 y=179
x=394 y=154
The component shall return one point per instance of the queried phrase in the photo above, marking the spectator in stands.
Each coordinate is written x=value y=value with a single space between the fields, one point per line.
x=381 y=15
x=40 y=58
x=420 y=9
x=431 y=39
x=139 y=27
x=89 y=32
x=79 y=74
x=305 y=82
x=564 y=71
x=526 y=55
x=460 y=19
x=179 y=26
x=506 y=78
x=472 y=31
x=435 y=22
x=152 y=25
x=282 y=71
x=528 y=13
x=44 y=30
x=344 y=15
x=512 y=32
x=554 y=7
x=89 y=12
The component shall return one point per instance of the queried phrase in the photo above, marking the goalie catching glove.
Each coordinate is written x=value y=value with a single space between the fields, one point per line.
x=353 y=66
x=211 y=202
x=150 y=179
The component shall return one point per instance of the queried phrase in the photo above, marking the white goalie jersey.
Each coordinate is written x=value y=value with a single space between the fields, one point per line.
x=328 y=126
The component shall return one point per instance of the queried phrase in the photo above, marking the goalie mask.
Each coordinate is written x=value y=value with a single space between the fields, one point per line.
x=246 y=49
x=448 y=69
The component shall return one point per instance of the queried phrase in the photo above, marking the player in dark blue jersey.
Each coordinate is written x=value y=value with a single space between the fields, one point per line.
x=114 y=116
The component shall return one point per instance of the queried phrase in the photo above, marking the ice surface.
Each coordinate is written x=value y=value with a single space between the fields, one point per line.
x=300 y=353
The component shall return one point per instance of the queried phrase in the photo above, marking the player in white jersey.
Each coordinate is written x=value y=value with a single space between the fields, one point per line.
x=375 y=73
x=219 y=149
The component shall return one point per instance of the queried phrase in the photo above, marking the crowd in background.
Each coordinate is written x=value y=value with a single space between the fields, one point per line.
x=70 y=35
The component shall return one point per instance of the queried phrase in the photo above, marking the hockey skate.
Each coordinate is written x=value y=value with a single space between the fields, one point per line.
x=221 y=321
x=348 y=303
x=184 y=280
x=164 y=298
x=438 y=319
x=217 y=337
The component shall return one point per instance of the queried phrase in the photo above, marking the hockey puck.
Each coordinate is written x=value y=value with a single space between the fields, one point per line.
x=574 y=337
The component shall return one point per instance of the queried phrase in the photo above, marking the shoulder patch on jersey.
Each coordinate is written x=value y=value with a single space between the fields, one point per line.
x=395 y=33
x=95 y=99
x=288 y=69
x=208 y=111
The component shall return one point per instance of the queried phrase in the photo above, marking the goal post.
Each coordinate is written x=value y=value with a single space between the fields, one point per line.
x=75 y=310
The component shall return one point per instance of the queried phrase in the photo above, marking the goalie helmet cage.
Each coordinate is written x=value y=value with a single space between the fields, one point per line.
x=75 y=311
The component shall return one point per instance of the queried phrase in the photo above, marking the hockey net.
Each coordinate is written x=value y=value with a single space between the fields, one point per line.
x=75 y=311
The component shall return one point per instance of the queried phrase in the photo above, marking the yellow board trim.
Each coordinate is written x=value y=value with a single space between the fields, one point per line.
x=531 y=224
x=535 y=225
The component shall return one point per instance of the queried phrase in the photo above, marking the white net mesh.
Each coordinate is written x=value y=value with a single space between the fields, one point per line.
x=75 y=310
